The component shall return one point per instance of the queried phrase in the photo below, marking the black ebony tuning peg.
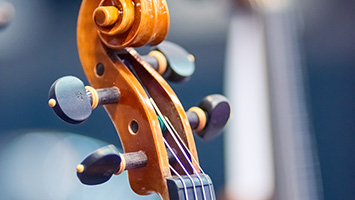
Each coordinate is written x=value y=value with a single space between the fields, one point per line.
x=172 y=61
x=100 y=165
x=73 y=102
x=210 y=117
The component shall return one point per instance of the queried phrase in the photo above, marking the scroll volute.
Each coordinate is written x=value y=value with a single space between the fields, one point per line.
x=131 y=23
x=101 y=33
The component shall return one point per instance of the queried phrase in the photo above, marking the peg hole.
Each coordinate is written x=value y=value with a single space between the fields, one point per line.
x=133 y=127
x=100 y=69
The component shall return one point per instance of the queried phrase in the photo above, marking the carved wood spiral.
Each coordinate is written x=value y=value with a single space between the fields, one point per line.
x=131 y=23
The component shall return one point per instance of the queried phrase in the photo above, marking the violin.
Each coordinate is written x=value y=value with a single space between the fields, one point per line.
x=155 y=131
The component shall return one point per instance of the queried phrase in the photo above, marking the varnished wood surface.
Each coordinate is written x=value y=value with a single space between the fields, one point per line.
x=149 y=27
x=169 y=105
x=132 y=106
x=141 y=22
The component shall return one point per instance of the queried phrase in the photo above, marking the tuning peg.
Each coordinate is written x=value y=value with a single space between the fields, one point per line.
x=100 y=165
x=73 y=102
x=172 y=61
x=210 y=117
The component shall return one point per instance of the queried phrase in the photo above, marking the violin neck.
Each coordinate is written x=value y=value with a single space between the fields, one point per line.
x=194 y=186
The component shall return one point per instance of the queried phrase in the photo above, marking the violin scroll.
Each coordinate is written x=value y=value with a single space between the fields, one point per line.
x=155 y=131
x=130 y=23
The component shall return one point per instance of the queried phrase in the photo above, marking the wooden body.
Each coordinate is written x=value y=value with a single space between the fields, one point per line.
x=134 y=117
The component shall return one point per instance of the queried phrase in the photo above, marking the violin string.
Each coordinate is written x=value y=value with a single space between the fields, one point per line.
x=193 y=158
x=179 y=145
x=174 y=134
x=183 y=143
x=169 y=126
x=162 y=117
x=211 y=187
x=182 y=166
x=182 y=181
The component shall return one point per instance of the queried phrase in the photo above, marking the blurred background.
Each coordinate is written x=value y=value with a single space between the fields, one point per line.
x=291 y=63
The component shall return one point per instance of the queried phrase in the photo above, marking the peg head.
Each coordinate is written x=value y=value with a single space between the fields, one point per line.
x=217 y=111
x=68 y=98
x=99 y=166
x=181 y=64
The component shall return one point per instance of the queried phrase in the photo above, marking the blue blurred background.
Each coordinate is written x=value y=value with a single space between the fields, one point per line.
x=39 y=46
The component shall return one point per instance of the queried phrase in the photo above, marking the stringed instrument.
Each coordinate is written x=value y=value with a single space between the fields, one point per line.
x=155 y=131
